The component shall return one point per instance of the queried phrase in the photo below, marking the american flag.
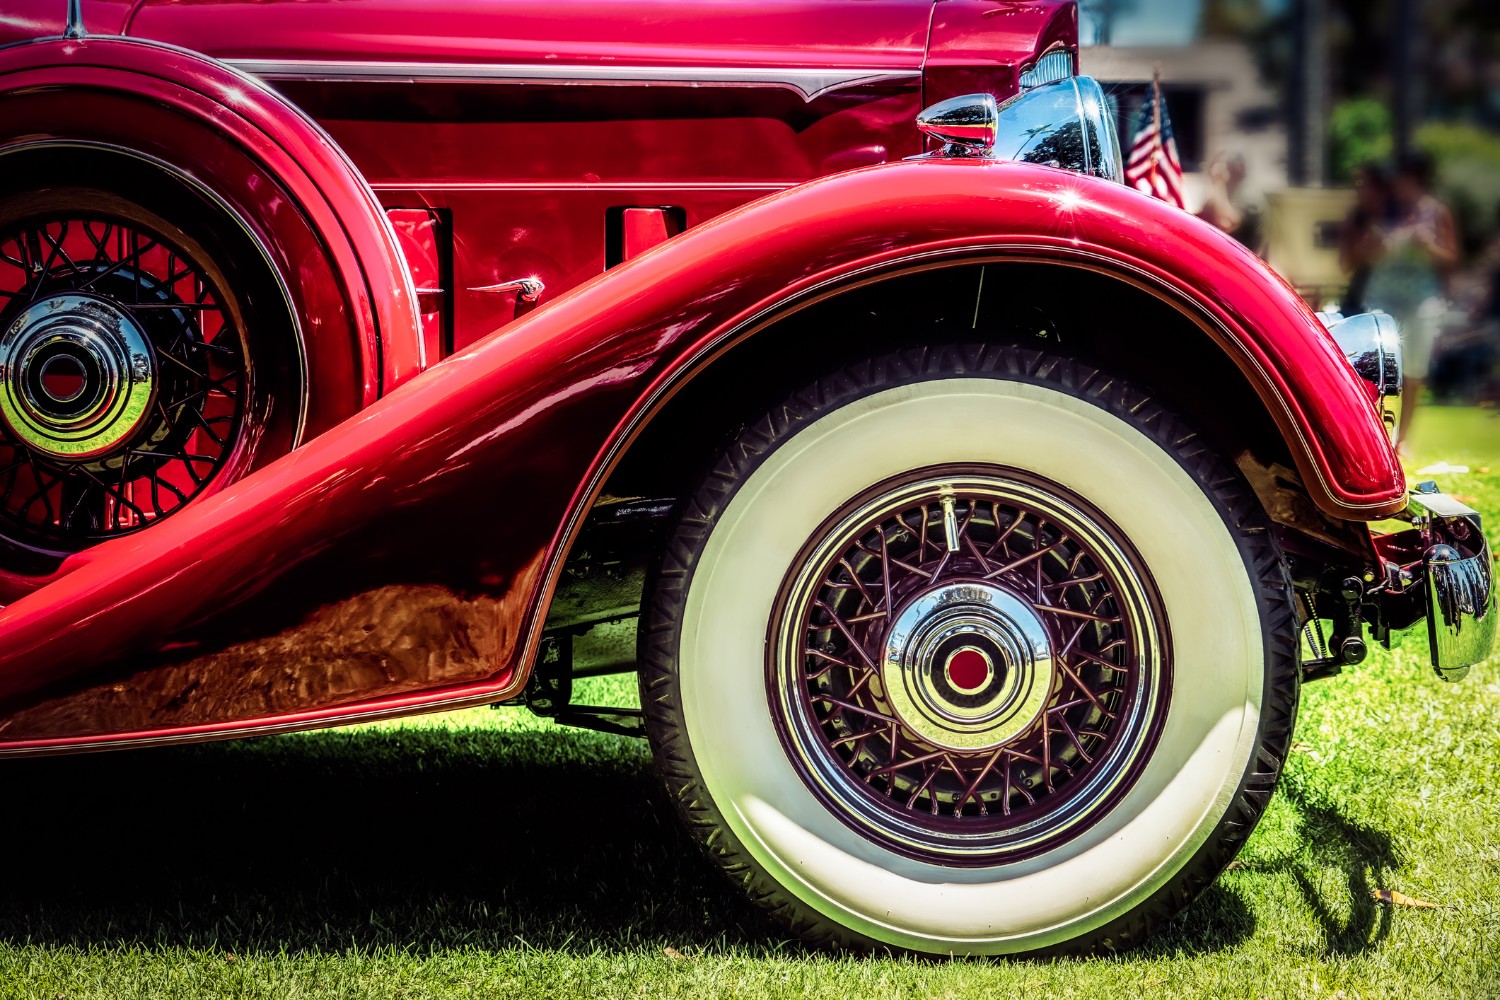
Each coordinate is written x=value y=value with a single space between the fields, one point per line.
x=1153 y=165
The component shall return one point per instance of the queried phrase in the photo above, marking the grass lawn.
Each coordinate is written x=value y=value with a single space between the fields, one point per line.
x=486 y=853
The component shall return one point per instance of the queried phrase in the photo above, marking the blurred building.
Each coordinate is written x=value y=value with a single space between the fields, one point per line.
x=1221 y=104
x=1218 y=103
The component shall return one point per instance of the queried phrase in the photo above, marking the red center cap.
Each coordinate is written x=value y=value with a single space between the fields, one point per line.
x=968 y=669
x=63 y=379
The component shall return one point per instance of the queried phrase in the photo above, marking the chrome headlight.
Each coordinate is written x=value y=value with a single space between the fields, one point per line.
x=1065 y=124
x=1372 y=344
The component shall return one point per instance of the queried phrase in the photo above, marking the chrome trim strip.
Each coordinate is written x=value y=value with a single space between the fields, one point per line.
x=808 y=83
x=210 y=734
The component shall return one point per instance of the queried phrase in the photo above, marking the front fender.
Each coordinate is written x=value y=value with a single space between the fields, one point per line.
x=462 y=489
x=931 y=209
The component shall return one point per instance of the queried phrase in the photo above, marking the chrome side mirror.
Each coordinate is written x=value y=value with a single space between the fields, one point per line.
x=1065 y=124
x=966 y=126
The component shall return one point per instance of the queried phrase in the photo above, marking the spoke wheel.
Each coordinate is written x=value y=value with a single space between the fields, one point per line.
x=969 y=663
x=129 y=382
x=970 y=650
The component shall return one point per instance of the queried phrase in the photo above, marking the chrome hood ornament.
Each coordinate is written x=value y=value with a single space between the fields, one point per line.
x=1065 y=124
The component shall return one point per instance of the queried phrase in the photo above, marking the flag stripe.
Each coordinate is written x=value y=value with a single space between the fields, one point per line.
x=1153 y=166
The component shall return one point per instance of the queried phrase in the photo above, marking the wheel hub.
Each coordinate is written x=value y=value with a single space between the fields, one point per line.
x=968 y=666
x=77 y=376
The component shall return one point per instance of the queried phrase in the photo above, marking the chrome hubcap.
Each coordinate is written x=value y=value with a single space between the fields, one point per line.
x=77 y=376
x=968 y=666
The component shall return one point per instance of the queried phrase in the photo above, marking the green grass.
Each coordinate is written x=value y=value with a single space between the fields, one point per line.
x=485 y=853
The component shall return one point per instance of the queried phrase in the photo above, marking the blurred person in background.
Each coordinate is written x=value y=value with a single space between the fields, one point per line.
x=1362 y=240
x=1488 y=314
x=1466 y=368
x=1409 y=276
x=1226 y=175
x=1466 y=360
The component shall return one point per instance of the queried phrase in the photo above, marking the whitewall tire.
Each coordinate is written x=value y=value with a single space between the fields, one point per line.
x=970 y=650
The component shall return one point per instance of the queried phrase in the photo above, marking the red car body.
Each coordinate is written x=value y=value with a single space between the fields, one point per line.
x=468 y=125
x=149 y=638
x=520 y=135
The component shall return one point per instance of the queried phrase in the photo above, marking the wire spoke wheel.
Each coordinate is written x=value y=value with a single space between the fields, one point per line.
x=968 y=663
x=970 y=649
x=126 y=378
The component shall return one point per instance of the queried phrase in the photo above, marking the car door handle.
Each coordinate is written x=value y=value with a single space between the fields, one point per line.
x=526 y=289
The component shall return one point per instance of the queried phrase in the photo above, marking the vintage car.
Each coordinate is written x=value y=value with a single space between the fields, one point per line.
x=970 y=520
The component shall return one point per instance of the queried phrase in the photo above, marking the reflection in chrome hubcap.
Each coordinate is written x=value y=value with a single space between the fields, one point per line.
x=968 y=664
x=77 y=376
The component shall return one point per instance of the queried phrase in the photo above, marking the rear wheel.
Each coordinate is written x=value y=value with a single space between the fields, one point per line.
x=971 y=650
x=148 y=358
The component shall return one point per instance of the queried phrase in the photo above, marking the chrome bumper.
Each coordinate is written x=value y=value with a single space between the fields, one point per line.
x=1460 y=583
x=1439 y=570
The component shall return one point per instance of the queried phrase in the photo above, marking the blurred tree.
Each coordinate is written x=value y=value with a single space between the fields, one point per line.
x=1463 y=60
x=1452 y=57
x=1359 y=131
x=1232 y=18
x=1468 y=161
x=1455 y=53
x=1360 y=42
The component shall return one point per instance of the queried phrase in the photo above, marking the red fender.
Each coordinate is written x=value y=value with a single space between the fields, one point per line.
x=272 y=166
x=467 y=485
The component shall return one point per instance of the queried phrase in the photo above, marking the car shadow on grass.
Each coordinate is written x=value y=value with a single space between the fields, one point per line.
x=418 y=840
x=1364 y=859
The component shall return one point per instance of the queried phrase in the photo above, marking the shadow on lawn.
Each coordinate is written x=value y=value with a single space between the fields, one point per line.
x=415 y=840
x=1366 y=857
